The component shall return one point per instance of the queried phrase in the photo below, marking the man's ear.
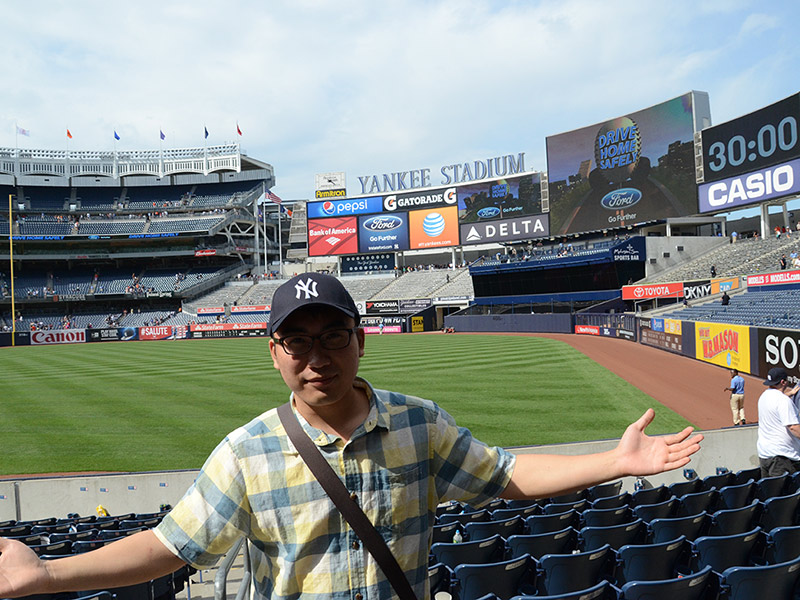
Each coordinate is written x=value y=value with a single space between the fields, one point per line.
x=273 y=352
x=360 y=337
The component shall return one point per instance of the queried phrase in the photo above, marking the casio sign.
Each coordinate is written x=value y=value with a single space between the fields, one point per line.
x=622 y=198
x=382 y=223
x=488 y=212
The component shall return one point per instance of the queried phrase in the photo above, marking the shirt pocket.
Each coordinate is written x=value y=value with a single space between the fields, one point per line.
x=394 y=499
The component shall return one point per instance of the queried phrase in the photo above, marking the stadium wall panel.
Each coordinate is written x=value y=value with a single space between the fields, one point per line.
x=506 y=323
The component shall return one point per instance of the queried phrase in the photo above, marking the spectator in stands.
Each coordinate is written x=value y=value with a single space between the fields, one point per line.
x=402 y=455
x=726 y=300
x=778 y=443
x=734 y=235
x=782 y=262
x=713 y=270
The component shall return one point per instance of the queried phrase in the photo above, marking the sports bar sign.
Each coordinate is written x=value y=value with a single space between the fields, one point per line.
x=646 y=292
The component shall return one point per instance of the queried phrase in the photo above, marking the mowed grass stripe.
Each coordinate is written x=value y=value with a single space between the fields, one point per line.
x=165 y=405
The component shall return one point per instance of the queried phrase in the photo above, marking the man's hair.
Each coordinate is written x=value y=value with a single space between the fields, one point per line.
x=735 y=371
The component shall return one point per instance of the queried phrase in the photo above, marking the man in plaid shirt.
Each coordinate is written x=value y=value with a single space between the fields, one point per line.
x=399 y=457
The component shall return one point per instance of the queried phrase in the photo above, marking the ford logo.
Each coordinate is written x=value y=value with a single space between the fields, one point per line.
x=488 y=212
x=622 y=198
x=383 y=223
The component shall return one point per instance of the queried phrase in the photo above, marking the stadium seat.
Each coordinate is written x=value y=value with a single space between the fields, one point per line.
x=559 y=507
x=495 y=504
x=783 y=544
x=662 y=510
x=735 y=520
x=604 y=490
x=562 y=573
x=477 y=552
x=602 y=591
x=649 y=562
x=724 y=551
x=524 y=511
x=697 y=502
x=486 y=529
x=761 y=582
x=464 y=517
x=691 y=527
x=718 y=481
x=737 y=496
x=652 y=495
x=439 y=578
x=702 y=585
x=57 y=549
x=684 y=487
x=445 y=533
x=88 y=545
x=551 y=522
x=504 y=579
x=48 y=529
x=28 y=540
x=616 y=536
x=571 y=498
x=617 y=501
x=746 y=475
x=15 y=530
x=605 y=517
x=780 y=511
x=448 y=508
x=769 y=487
x=73 y=536
x=537 y=545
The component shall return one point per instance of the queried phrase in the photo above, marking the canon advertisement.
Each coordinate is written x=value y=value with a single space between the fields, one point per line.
x=505 y=230
x=58 y=336
x=632 y=169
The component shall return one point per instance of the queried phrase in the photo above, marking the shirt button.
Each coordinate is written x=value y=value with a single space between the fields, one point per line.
x=353 y=497
x=359 y=596
x=356 y=545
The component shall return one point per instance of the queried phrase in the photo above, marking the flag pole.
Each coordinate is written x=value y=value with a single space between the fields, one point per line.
x=11 y=262
x=280 y=239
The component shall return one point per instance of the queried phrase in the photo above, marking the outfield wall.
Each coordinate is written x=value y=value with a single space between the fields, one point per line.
x=42 y=497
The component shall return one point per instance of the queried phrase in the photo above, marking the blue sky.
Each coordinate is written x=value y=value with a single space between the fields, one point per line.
x=377 y=87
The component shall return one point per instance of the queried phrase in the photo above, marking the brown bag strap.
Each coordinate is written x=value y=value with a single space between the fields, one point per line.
x=334 y=487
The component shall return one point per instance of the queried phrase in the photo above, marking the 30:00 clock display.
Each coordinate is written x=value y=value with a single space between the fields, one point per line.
x=768 y=139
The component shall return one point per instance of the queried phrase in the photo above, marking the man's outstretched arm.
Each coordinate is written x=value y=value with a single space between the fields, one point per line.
x=140 y=557
x=547 y=475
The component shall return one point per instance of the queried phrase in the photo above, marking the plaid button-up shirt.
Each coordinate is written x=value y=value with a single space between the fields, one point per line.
x=406 y=458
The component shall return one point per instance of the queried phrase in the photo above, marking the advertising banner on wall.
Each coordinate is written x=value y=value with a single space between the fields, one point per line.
x=764 y=184
x=724 y=285
x=327 y=237
x=632 y=169
x=364 y=263
x=376 y=307
x=778 y=348
x=415 y=305
x=724 y=345
x=435 y=228
x=506 y=198
x=343 y=208
x=383 y=232
x=218 y=330
x=58 y=336
x=779 y=278
x=657 y=290
x=420 y=199
x=505 y=230
x=633 y=249
x=662 y=333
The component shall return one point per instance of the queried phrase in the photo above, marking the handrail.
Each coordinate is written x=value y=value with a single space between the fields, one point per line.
x=221 y=578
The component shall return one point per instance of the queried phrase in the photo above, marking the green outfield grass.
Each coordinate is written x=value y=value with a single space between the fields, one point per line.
x=165 y=405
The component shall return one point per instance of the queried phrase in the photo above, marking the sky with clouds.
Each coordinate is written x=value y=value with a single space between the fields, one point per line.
x=377 y=87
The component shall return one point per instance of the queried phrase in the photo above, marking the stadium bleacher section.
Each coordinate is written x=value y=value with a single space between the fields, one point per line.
x=772 y=308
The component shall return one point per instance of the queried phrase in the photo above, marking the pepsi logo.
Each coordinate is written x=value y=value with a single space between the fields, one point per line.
x=622 y=198
x=381 y=223
x=488 y=212
x=328 y=208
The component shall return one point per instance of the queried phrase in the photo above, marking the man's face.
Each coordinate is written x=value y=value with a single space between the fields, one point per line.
x=320 y=377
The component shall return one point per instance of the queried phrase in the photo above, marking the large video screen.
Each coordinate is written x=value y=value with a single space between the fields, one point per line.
x=632 y=169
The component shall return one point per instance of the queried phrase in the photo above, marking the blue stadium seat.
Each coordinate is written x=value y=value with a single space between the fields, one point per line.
x=745 y=475
x=439 y=578
x=602 y=591
x=737 y=496
x=783 y=544
x=446 y=532
x=605 y=517
x=662 y=510
x=486 y=529
x=718 y=481
x=570 y=498
x=761 y=582
x=697 y=502
x=504 y=579
x=465 y=517
x=604 y=490
x=616 y=536
x=684 y=487
x=560 y=507
x=769 y=487
x=780 y=511
x=448 y=508
x=735 y=520
x=539 y=544
x=702 y=585
x=524 y=511
x=562 y=573
x=477 y=552
x=617 y=501
x=649 y=562
x=724 y=551
x=551 y=522
x=652 y=495
x=691 y=527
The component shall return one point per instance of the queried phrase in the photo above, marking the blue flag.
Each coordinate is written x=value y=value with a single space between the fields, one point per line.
x=163 y=137
x=206 y=128
x=116 y=135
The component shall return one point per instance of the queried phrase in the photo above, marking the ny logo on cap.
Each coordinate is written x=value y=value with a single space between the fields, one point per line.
x=309 y=288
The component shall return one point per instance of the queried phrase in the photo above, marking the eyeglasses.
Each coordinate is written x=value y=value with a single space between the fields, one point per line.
x=297 y=345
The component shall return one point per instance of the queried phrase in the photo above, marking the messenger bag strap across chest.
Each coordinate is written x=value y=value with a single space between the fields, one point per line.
x=334 y=487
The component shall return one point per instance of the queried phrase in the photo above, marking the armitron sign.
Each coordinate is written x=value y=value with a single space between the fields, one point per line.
x=58 y=336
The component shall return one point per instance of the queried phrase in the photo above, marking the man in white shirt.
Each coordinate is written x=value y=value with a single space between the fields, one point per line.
x=778 y=427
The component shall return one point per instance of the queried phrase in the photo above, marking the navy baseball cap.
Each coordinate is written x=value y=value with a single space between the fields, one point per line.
x=309 y=289
x=775 y=376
